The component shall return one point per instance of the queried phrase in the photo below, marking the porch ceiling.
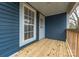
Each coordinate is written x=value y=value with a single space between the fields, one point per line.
x=50 y=8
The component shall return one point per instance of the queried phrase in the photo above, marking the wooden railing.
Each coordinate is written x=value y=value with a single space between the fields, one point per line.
x=73 y=41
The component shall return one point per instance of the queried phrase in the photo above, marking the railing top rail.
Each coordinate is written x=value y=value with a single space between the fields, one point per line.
x=73 y=30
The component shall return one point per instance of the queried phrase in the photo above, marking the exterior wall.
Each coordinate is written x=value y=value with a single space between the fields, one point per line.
x=55 y=27
x=9 y=29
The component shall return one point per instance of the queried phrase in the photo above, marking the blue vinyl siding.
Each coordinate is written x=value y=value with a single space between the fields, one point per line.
x=9 y=28
x=56 y=27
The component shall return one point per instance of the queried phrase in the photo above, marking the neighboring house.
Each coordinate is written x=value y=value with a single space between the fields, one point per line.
x=22 y=24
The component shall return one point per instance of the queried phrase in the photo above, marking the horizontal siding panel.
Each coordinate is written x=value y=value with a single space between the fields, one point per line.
x=9 y=28
x=8 y=45
x=7 y=16
x=8 y=7
x=9 y=21
x=8 y=39
x=8 y=32
x=4 y=36
x=9 y=49
x=7 y=13
x=13 y=50
x=14 y=4
x=11 y=41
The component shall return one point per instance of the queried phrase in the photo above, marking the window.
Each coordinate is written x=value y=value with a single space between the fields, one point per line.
x=27 y=24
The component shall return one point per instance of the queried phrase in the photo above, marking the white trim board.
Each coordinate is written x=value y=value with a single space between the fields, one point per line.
x=41 y=26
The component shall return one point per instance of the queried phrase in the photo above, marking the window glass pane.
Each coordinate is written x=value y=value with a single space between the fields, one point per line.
x=26 y=36
x=26 y=28
x=32 y=14
x=32 y=21
x=31 y=34
x=25 y=22
x=28 y=23
x=25 y=11
x=77 y=10
x=29 y=13
x=31 y=28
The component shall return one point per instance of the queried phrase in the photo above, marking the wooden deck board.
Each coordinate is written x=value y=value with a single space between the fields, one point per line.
x=42 y=48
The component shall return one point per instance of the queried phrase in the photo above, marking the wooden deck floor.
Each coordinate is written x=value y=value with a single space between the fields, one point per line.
x=45 y=47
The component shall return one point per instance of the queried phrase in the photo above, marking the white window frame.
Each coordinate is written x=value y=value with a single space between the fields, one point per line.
x=23 y=42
